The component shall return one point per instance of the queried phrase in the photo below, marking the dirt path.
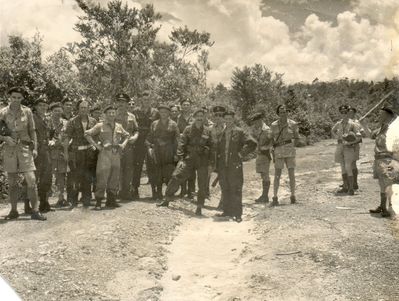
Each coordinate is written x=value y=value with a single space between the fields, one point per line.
x=327 y=247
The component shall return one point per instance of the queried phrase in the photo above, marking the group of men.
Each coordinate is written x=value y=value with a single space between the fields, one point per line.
x=104 y=152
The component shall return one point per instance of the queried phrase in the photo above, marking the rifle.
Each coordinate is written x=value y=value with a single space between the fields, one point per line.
x=215 y=182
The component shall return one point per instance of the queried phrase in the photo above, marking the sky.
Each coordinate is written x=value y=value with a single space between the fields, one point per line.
x=303 y=39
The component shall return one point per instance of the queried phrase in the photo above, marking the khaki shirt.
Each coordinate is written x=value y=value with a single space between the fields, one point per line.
x=20 y=123
x=340 y=129
x=128 y=122
x=107 y=134
x=263 y=136
x=284 y=137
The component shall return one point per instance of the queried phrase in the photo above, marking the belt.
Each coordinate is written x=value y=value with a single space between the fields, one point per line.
x=285 y=142
x=83 y=147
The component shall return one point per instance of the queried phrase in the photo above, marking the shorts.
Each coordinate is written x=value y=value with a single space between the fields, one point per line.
x=386 y=171
x=345 y=154
x=262 y=164
x=18 y=158
x=290 y=162
x=357 y=152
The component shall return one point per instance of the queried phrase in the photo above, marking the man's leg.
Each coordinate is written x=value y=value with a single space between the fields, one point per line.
x=355 y=173
x=263 y=168
x=235 y=179
x=139 y=156
x=278 y=165
x=102 y=175
x=13 y=190
x=291 y=164
x=348 y=161
x=226 y=193
x=113 y=181
x=126 y=176
x=32 y=195
x=202 y=174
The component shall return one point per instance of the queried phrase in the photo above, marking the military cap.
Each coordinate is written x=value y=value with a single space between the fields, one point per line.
x=183 y=100
x=55 y=105
x=110 y=107
x=163 y=106
x=256 y=116
x=17 y=90
x=122 y=97
x=198 y=112
x=218 y=109
x=343 y=109
x=40 y=100
x=350 y=108
x=229 y=113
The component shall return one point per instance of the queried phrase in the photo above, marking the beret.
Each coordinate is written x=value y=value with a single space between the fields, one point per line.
x=343 y=108
x=218 y=109
x=185 y=100
x=17 y=90
x=95 y=108
x=40 y=100
x=122 y=97
x=256 y=116
x=198 y=112
x=162 y=106
x=55 y=105
x=107 y=108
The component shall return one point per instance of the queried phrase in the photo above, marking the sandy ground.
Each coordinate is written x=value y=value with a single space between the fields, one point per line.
x=327 y=247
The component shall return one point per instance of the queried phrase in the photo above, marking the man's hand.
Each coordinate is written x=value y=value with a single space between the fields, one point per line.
x=132 y=139
x=122 y=146
x=9 y=141
x=34 y=153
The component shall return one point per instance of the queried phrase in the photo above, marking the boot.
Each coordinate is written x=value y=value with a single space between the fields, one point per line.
x=384 y=210
x=159 y=192
x=98 y=204
x=274 y=202
x=164 y=203
x=355 y=176
x=264 y=198
x=86 y=203
x=344 y=188
x=198 y=211
x=183 y=190
x=135 y=194
x=293 y=199
x=111 y=200
x=12 y=215
x=383 y=199
x=44 y=205
x=27 y=207
x=351 y=190
x=36 y=215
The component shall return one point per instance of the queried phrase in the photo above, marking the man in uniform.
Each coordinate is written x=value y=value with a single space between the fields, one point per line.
x=129 y=123
x=96 y=113
x=195 y=154
x=185 y=119
x=42 y=161
x=233 y=146
x=19 y=151
x=112 y=141
x=81 y=156
x=67 y=109
x=285 y=135
x=144 y=116
x=59 y=150
x=263 y=135
x=163 y=141
x=174 y=112
x=386 y=164
x=217 y=129
x=348 y=135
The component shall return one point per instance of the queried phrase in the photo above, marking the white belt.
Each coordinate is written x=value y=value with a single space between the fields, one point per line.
x=84 y=147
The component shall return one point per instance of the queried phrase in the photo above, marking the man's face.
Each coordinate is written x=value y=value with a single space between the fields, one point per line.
x=110 y=115
x=344 y=114
x=57 y=112
x=218 y=117
x=84 y=108
x=174 y=112
x=185 y=106
x=351 y=114
x=229 y=120
x=68 y=107
x=122 y=106
x=16 y=98
x=282 y=112
x=96 y=114
x=41 y=108
x=145 y=100
x=164 y=113
x=199 y=118
x=257 y=123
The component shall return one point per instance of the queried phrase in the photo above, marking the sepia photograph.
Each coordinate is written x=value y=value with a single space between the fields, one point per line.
x=199 y=150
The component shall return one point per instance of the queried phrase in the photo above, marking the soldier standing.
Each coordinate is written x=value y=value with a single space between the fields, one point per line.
x=42 y=161
x=348 y=135
x=67 y=109
x=285 y=134
x=233 y=146
x=112 y=141
x=163 y=141
x=263 y=135
x=184 y=120
x=174 y=112
x=19 y=151
x=144 y=116
x=195 y=154
x=129 y=123
x=80 y=156
x=386 y=166
x=59 y=150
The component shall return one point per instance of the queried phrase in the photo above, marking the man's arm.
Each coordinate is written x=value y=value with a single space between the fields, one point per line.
x=89 y=134
x=182 y=145
x=32 y=132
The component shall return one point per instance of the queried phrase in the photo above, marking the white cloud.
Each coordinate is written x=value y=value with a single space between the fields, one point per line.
x=353 y=47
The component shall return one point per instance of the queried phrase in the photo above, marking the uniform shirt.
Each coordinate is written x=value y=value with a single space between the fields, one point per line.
x=263 y=135
x=145 y=119
x=58 y=129
x=196 y=143
x=20 y=123
x=42 y=130
x=75 y=131
x=341 y=129
x=285 y=135
x=380 y=148
x=216 y=132
x=164 y=140
x=128 y=122
x=183 y=122
x=108 y=135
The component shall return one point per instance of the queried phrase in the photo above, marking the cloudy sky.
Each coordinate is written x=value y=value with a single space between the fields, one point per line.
x=304 y=39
